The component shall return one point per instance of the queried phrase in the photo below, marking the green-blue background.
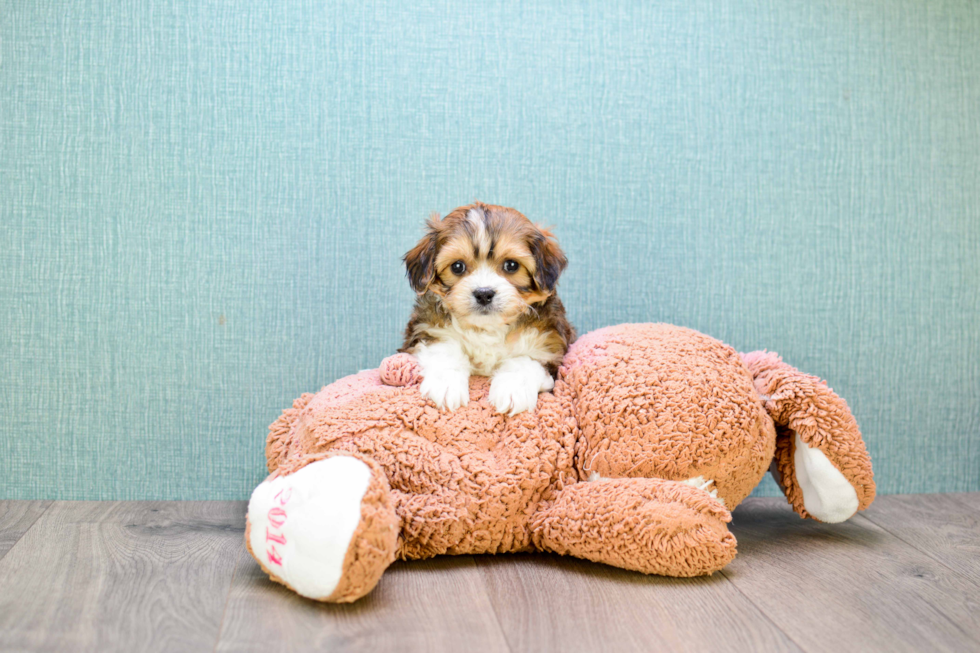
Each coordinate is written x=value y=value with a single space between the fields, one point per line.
x=203 y=206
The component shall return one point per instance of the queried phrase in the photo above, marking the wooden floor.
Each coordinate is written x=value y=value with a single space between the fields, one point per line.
x=161 y=576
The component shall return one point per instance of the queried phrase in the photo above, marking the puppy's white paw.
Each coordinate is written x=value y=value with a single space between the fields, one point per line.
x=449 y=389
x=302 y=524
x=516 y=384
x=445 y=374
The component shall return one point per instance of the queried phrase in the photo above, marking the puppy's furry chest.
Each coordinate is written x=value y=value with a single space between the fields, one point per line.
x=488 y=348
x=485 y=349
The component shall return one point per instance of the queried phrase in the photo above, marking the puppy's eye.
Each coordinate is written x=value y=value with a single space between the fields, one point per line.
x=458 y=268
x=510 y=266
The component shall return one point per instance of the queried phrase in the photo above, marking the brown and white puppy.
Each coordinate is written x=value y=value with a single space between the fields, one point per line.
x=485 y=278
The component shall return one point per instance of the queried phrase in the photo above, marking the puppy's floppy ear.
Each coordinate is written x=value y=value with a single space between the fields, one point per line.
x=548 y=257
x=420 y=261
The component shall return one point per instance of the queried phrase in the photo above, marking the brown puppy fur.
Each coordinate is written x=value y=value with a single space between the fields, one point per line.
x=486 y=279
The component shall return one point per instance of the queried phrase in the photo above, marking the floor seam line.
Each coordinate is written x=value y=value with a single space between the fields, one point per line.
x=942 y=564
x=764 y=614
x=496 y=617
x=27 y=530
x=224 y=608
x=907 y=543
x=973 y=509
x=920 y=550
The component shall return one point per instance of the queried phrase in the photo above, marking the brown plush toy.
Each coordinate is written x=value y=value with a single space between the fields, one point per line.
x=650 y=436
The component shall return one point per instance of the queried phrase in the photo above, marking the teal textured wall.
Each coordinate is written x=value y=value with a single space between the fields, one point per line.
x=203 y=206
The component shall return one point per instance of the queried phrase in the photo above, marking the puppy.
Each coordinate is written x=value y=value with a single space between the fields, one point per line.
x=485 y=278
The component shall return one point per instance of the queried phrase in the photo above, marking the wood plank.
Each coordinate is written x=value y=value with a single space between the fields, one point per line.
x=552 y=603
x=155 y=576
x=432 y=605
x=15 y=518
x=147 y=576
x=971 y=499
x=850 y=586
x=937 y=525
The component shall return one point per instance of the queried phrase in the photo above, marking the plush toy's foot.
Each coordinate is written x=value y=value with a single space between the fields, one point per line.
x=327 y=531
x=827 y=494
x=821 y=462
x=645 y=524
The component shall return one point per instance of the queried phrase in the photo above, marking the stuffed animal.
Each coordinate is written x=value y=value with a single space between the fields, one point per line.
x=652 y=434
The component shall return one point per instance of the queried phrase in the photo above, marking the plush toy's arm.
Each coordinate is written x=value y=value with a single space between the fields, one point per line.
x=282 y=438
x=285 y=439
x=821 y=462
x=646 y=524
x=400 y=370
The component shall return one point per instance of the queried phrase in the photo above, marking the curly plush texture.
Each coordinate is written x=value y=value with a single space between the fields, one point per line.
x=650 y=436
x=801 y=404
x=620 y=521
x=659 y=401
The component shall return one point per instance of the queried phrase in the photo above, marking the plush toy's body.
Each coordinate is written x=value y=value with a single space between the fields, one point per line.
x=651 y=435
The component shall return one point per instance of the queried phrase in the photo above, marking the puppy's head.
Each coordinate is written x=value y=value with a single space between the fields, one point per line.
x=488 y=263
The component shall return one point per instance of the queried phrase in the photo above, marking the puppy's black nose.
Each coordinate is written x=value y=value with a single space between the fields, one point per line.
x=484 y=296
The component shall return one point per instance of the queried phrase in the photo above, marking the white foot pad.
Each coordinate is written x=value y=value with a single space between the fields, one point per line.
x=827 y=495
x=302 y=524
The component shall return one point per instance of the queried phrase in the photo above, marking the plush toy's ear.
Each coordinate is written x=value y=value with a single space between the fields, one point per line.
x=420 y=261
x=548 y=257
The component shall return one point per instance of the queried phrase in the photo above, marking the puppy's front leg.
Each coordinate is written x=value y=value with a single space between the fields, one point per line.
x=445 y=374
x=516 y=384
